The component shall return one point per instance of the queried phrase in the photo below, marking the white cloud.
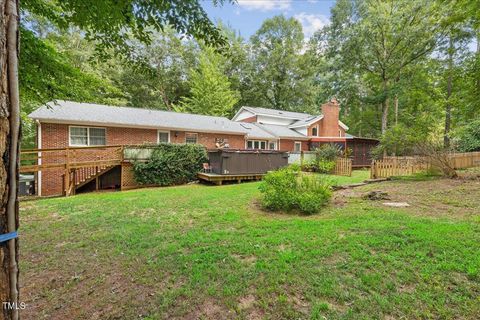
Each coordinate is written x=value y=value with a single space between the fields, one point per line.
x=311 y=22
x=265 y=5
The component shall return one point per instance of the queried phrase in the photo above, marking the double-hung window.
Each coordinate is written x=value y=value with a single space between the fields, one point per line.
x=163 y=136
x=87 y=136
x=191 y=137
x=297 y=146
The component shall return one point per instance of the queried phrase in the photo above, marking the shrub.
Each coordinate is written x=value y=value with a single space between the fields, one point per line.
x=468 y=137
x=328 y=152
x=171 y=164
x=310 y=166
x=288 y=189
x=314 y=192
x=324 y=166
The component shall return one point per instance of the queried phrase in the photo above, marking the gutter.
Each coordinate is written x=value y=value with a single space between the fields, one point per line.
x=120 y=125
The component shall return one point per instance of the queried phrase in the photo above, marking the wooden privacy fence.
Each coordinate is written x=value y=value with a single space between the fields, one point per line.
x=465 y=160
x=343 y=167
x=403 y=166
x=396 y=167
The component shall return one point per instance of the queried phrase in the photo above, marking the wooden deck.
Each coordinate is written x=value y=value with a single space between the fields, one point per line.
x=218 y=179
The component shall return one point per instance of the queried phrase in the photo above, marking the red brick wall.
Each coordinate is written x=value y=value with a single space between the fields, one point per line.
x=322 y=129
x=56 y=136
x=208 y=139
x=329 y=126
x=288 y=145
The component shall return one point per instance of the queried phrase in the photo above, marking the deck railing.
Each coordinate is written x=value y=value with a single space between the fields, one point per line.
x=77 y=164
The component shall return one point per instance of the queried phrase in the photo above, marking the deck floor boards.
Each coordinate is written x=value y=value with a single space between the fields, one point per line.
x=220 y=178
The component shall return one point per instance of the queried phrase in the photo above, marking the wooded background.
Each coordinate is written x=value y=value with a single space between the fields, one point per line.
x=403 y=70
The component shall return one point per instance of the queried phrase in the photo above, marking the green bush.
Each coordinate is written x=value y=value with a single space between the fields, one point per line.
x=328 y=152
x=171 y=164
x=468 y=137
x=325 y=166
x=288 y=189
x=325 y=159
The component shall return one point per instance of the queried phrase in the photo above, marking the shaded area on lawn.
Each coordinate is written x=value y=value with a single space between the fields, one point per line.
x=197 y=251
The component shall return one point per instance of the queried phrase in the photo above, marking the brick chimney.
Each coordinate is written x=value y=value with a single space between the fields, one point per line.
x=330 y=111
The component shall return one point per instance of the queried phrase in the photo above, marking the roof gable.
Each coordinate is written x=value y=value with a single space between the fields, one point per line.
x=273 y=113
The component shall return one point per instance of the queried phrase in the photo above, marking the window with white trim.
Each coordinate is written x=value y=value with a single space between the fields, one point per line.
x=272 y=145
x=297 y=146
x=87 y=136
x=163 y=136
x=257 y=144
x=191 y=137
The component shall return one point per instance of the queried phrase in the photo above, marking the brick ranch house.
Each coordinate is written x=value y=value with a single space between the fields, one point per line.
x=63 y=124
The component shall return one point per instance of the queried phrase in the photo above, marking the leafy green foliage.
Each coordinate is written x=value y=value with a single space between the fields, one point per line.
x=288 y=189
x=325 y=159
x=281 y=76
x=164 y=81
x=171 y=164
x=468 y=138
x=45 y=74
x=398 y=140
x=112 y=24
x=328 y=152
x=210 y=88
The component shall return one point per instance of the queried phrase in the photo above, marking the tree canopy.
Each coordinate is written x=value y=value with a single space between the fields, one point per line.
x=393 y=65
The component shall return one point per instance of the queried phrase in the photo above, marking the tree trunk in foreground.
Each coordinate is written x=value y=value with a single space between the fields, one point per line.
x=9 y=151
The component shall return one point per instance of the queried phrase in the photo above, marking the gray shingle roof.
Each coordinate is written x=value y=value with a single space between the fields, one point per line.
x=278 y=113
x=280 y=131
x=306 y=121
x=254 y=131
x=95 y=114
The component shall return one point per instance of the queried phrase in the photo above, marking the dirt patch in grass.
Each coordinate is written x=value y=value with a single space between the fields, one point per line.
x=433 y=198
x=71 y=291
x=210 y=310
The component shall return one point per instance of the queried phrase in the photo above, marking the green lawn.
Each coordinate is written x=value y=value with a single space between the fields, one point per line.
x=205 y=252
x=357 y=176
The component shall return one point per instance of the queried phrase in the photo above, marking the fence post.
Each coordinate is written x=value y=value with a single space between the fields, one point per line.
x=372 y=170
x=301 y=158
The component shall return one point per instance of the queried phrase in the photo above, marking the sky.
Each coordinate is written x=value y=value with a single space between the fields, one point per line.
x=246 y=16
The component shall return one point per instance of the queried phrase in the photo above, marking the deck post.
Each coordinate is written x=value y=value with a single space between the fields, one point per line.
x=121 y=175
x=67 y=172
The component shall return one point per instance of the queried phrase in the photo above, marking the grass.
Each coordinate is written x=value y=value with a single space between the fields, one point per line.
x=202 y=252
x=357 y=176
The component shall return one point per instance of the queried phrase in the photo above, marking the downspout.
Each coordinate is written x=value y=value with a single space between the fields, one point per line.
x=12 y=204
x=39 y=159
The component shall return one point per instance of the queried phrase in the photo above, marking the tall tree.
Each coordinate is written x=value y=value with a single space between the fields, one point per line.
x=211 y=93
x=384 y=38
x=112 y=24
x=9 y=152
x=164 y=79
x=282 y=72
